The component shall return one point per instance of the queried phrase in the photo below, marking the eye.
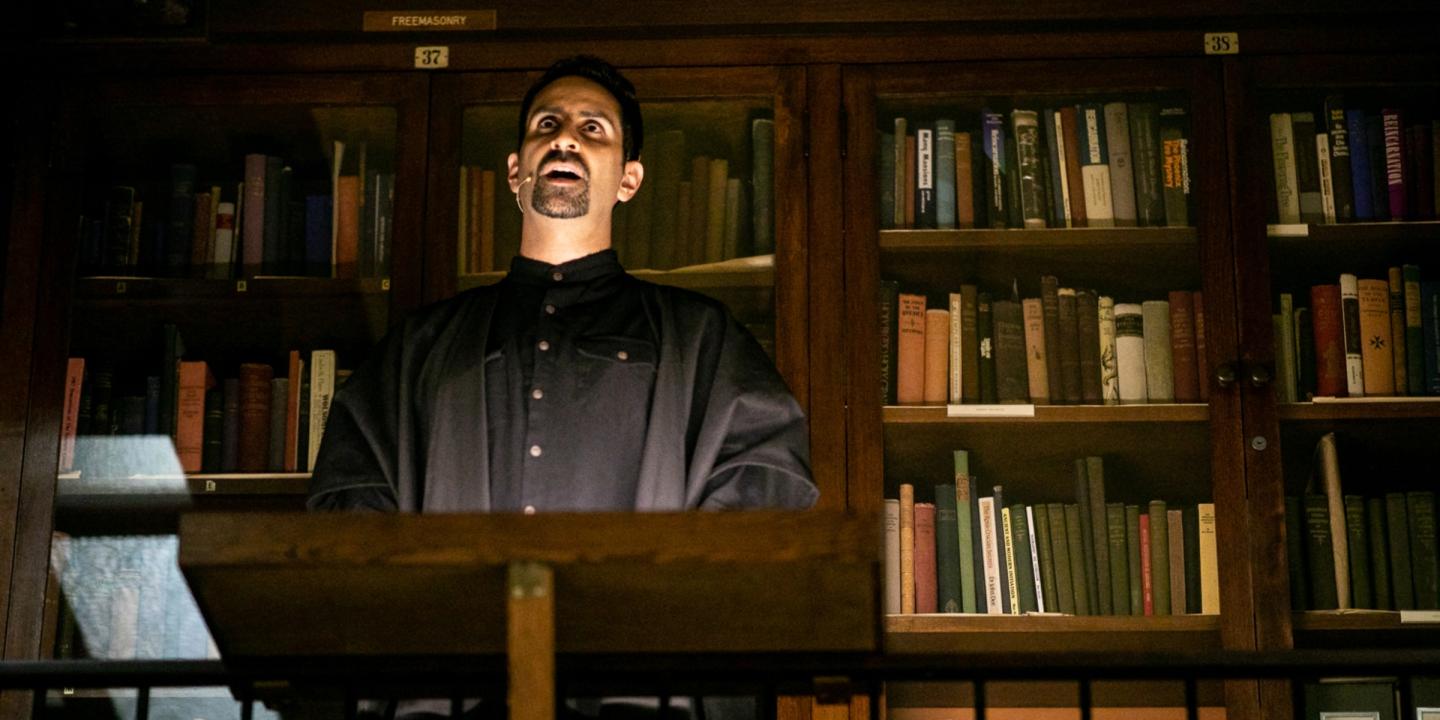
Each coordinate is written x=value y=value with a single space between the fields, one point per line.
x=594 y=127
x=545 y=123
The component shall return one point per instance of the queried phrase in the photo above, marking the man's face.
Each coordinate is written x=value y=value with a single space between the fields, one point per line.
x=573 y=150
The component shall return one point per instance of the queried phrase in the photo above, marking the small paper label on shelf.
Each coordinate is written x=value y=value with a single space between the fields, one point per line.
x=1323 y=399
x=1225 y=43
x=1419 y=616
x=1016 y=410
x=432 y=57
x=1288 y=230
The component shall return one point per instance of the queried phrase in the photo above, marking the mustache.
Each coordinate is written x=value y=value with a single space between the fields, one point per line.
x=558 y=155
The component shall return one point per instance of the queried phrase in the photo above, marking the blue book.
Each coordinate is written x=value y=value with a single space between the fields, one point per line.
x=945 y=174
x=318 y=210
x=992 y=146
x=1430 y=319
x=1359 y=164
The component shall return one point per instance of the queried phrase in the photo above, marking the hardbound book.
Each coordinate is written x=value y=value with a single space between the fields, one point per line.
x=885 y=179
x=1069 y=346
x=1377 y=358
x=1050 y=314
x=1350 y=323
x=1011 y=367
x=1028 y=167
x=1326 y=482
x=1182 y=347
x=1398 y=340
x=1095 y=166
x=1393 y=142
x=955 y=395
x=1060 y=553
x=1320 y=553
x=945 y=174
x=1307 y=170
x=1159 y=557
x=1145 y=152
x=1379 y=542
x=1074 y=176
x=1340 y=163
x=892 y=556
x=965 y=528
x=1359 y=553
x=910 y=354
x=1159 y=365
x=1109 y=369
x=1209 y=560
x=1325 y=316
x=937 y=354
x=1360 y=169
x=1327 y=187
x=1175 y=154
x=1130 y=353
x=1285 y=348
x=1397 y=522
x=1087 y=322
x=925 y=215
x=1056 y=168
x=985 y=332
x=1095 y=478
x=1035 y=352
x=1414 y=331
x=947 y=550
x=907 y=549
x=992 y=143
x=1122 y=174
x=926 y=599
x=902 y=180
x=964 y=180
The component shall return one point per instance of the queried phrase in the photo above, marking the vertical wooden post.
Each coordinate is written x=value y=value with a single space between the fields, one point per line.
x=530 y=641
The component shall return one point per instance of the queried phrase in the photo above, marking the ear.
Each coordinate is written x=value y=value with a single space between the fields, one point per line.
x=512 y=172
x=630 y=181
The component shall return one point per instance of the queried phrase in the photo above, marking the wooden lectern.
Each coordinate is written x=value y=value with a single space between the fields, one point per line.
x=290 y=586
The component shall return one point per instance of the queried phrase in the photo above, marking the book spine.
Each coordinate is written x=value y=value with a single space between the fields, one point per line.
x=1329 y=331
x=902 y=180
x=1099 y=534
x=1414 y=331
x=254 y=451
x=885 y=178
x=985 y=332
x=892 y=557
x=1176 y=527
x=1137 y=564
x=1145 y=149
x=1034 y=524
x=937 y=354
x=964 y=180
x=1036 y=373
x=1119 y=558
x=1122 y=174
x=1175 y=176
x=1059 y=187
x=1088 y=550
x=956 y=385
x=1285 y=356
x=924 y=551
x=1296 y=548
x=1069 y=336
x=1350 y=318
x=1305 y=360
x=1095 y=166
x=1360 y=170
x=762 y=185
x=1005 y=567
x=1074 y=176
x=907 y=549
x=1159 y=363
x=889 y=306
x=1209 y=559
x=1087 y=324
x=1109 y=366
x=1340 y=163
x=1147 y=565
x=1060 y=555
x=947 y=550
x=992 y=143
x=1379 y=540
x=1320 y=554
x=1011 y=366
x=1130 y=353
x=1426 y=573
x=965 y=528
x=990 y=550
x=1328 y=460
x=1307 y=171
x=1359 y=553
x=1282 y=154
x=1375 y=147
x=1023 y=563
x=1007 y=538
x=322 y=391
x=925 y=214
x=70 y=422
x=1159 y=558
x=970 y=343
x=1397 y=521
x=1399 y=348
x=1377 y=359
x=1075 y=547
x=1202 y=359
x=1395 y=178
x=1050 y=315
x=1430 y=314
x=1182 y=347
x=1327 y=184
x=910 y=353
x=945 y=174
x=1027 y=168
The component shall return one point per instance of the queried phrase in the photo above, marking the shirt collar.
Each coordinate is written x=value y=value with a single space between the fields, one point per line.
x=596 y=266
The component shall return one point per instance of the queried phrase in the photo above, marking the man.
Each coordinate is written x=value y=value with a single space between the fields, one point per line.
x=570 y=385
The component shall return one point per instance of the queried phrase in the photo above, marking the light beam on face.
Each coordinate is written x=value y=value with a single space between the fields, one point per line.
x=565 y=200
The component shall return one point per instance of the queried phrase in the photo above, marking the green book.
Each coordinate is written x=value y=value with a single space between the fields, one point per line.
x=1118 y=553
x=1087 y=536
x=947 y=550
x=1075 y=546
x=1159 y=558
x=1379 y=553
x=1023 y=569
x=1426 y=575
x=1295 y=554
x=1358 y=552
x=964 y=515
x=1132 y=552
x=1191 y=519
x=1041 y=524
x=1320 y=553
x=1060 y=555
x=1397 y=518
x=1099 y=536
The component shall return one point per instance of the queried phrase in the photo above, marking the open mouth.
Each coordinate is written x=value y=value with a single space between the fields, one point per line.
x=562 y=175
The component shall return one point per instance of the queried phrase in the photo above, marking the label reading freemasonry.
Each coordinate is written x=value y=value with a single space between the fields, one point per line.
x=429 y=20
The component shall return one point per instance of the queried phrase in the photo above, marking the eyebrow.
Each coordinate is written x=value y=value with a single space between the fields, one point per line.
x=555 y=110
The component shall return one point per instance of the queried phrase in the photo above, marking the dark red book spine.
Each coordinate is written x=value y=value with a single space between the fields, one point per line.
x=254 y=453
x=1182 y=347
x=1329 y=340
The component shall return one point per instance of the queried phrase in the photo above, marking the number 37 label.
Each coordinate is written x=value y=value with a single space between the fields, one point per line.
x=432 y=57
x=1222 y=43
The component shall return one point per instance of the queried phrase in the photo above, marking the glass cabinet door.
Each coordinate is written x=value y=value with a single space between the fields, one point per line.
x=237 y=244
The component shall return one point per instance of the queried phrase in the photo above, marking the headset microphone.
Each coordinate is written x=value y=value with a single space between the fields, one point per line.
x=528 y=178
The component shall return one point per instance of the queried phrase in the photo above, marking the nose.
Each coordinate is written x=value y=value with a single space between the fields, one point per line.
x=565 y=139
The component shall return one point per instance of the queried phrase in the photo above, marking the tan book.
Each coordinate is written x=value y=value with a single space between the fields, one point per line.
x=715 y=210
x=957 y=365
x=1326 y=481
x=1209 y=561
x=964 y=182
x=1109 y=367
x=323 y=380
x=1375 y=352
x=937 y=355
x=910 y=351
x=907 y=549
x=195 y=379
x=70 y=420
x=1176 y=529
x=1035 y=356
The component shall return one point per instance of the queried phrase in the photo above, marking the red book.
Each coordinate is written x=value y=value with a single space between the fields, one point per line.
x=925 y=595
x=254 y=453
x=910 y=355
x=1185 y=367
x=1070 y=128
x=347 y=223
x=1145 y=577
x=1329 y=326
x=292 y=412
x=195 y=379
x=1202 y=364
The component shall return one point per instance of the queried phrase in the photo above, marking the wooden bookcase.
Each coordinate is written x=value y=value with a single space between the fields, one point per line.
x=831 y=78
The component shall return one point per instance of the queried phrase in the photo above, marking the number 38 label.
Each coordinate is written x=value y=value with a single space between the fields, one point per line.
x=432 y=57
x=1222 y=43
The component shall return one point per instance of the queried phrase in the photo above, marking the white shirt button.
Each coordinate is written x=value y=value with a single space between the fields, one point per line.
x=535 y=451
x=537 y=393
x=544 y=345
x=557 y=277
x=529 y=509
x=549 y=309
x=623 y=355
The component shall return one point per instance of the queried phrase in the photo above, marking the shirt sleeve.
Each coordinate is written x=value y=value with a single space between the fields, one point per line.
x=756 y=432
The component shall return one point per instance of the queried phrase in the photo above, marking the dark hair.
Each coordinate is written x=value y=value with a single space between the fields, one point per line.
x=589 y=67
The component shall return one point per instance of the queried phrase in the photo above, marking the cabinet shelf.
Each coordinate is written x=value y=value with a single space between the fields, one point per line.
x=1087 y=239
x=1366 y=232
x=1375 y=628
x=758 y=275
x=103 y=288
x=1004 y=633
x=1164 y=413
x=1397 y=408
x=152 y=504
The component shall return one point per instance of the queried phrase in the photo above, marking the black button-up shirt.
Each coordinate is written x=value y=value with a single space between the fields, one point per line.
x=569 y=370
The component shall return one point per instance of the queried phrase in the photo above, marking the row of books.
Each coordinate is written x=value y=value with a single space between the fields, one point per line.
x=266 y=224
x=1360 y=337
x=255 y=422
x=123 y=598
x=1360 y=551
x=691 y=208
x=1349 y=165
x=965 y=553
x=1088 y=165
x=1066 y=346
